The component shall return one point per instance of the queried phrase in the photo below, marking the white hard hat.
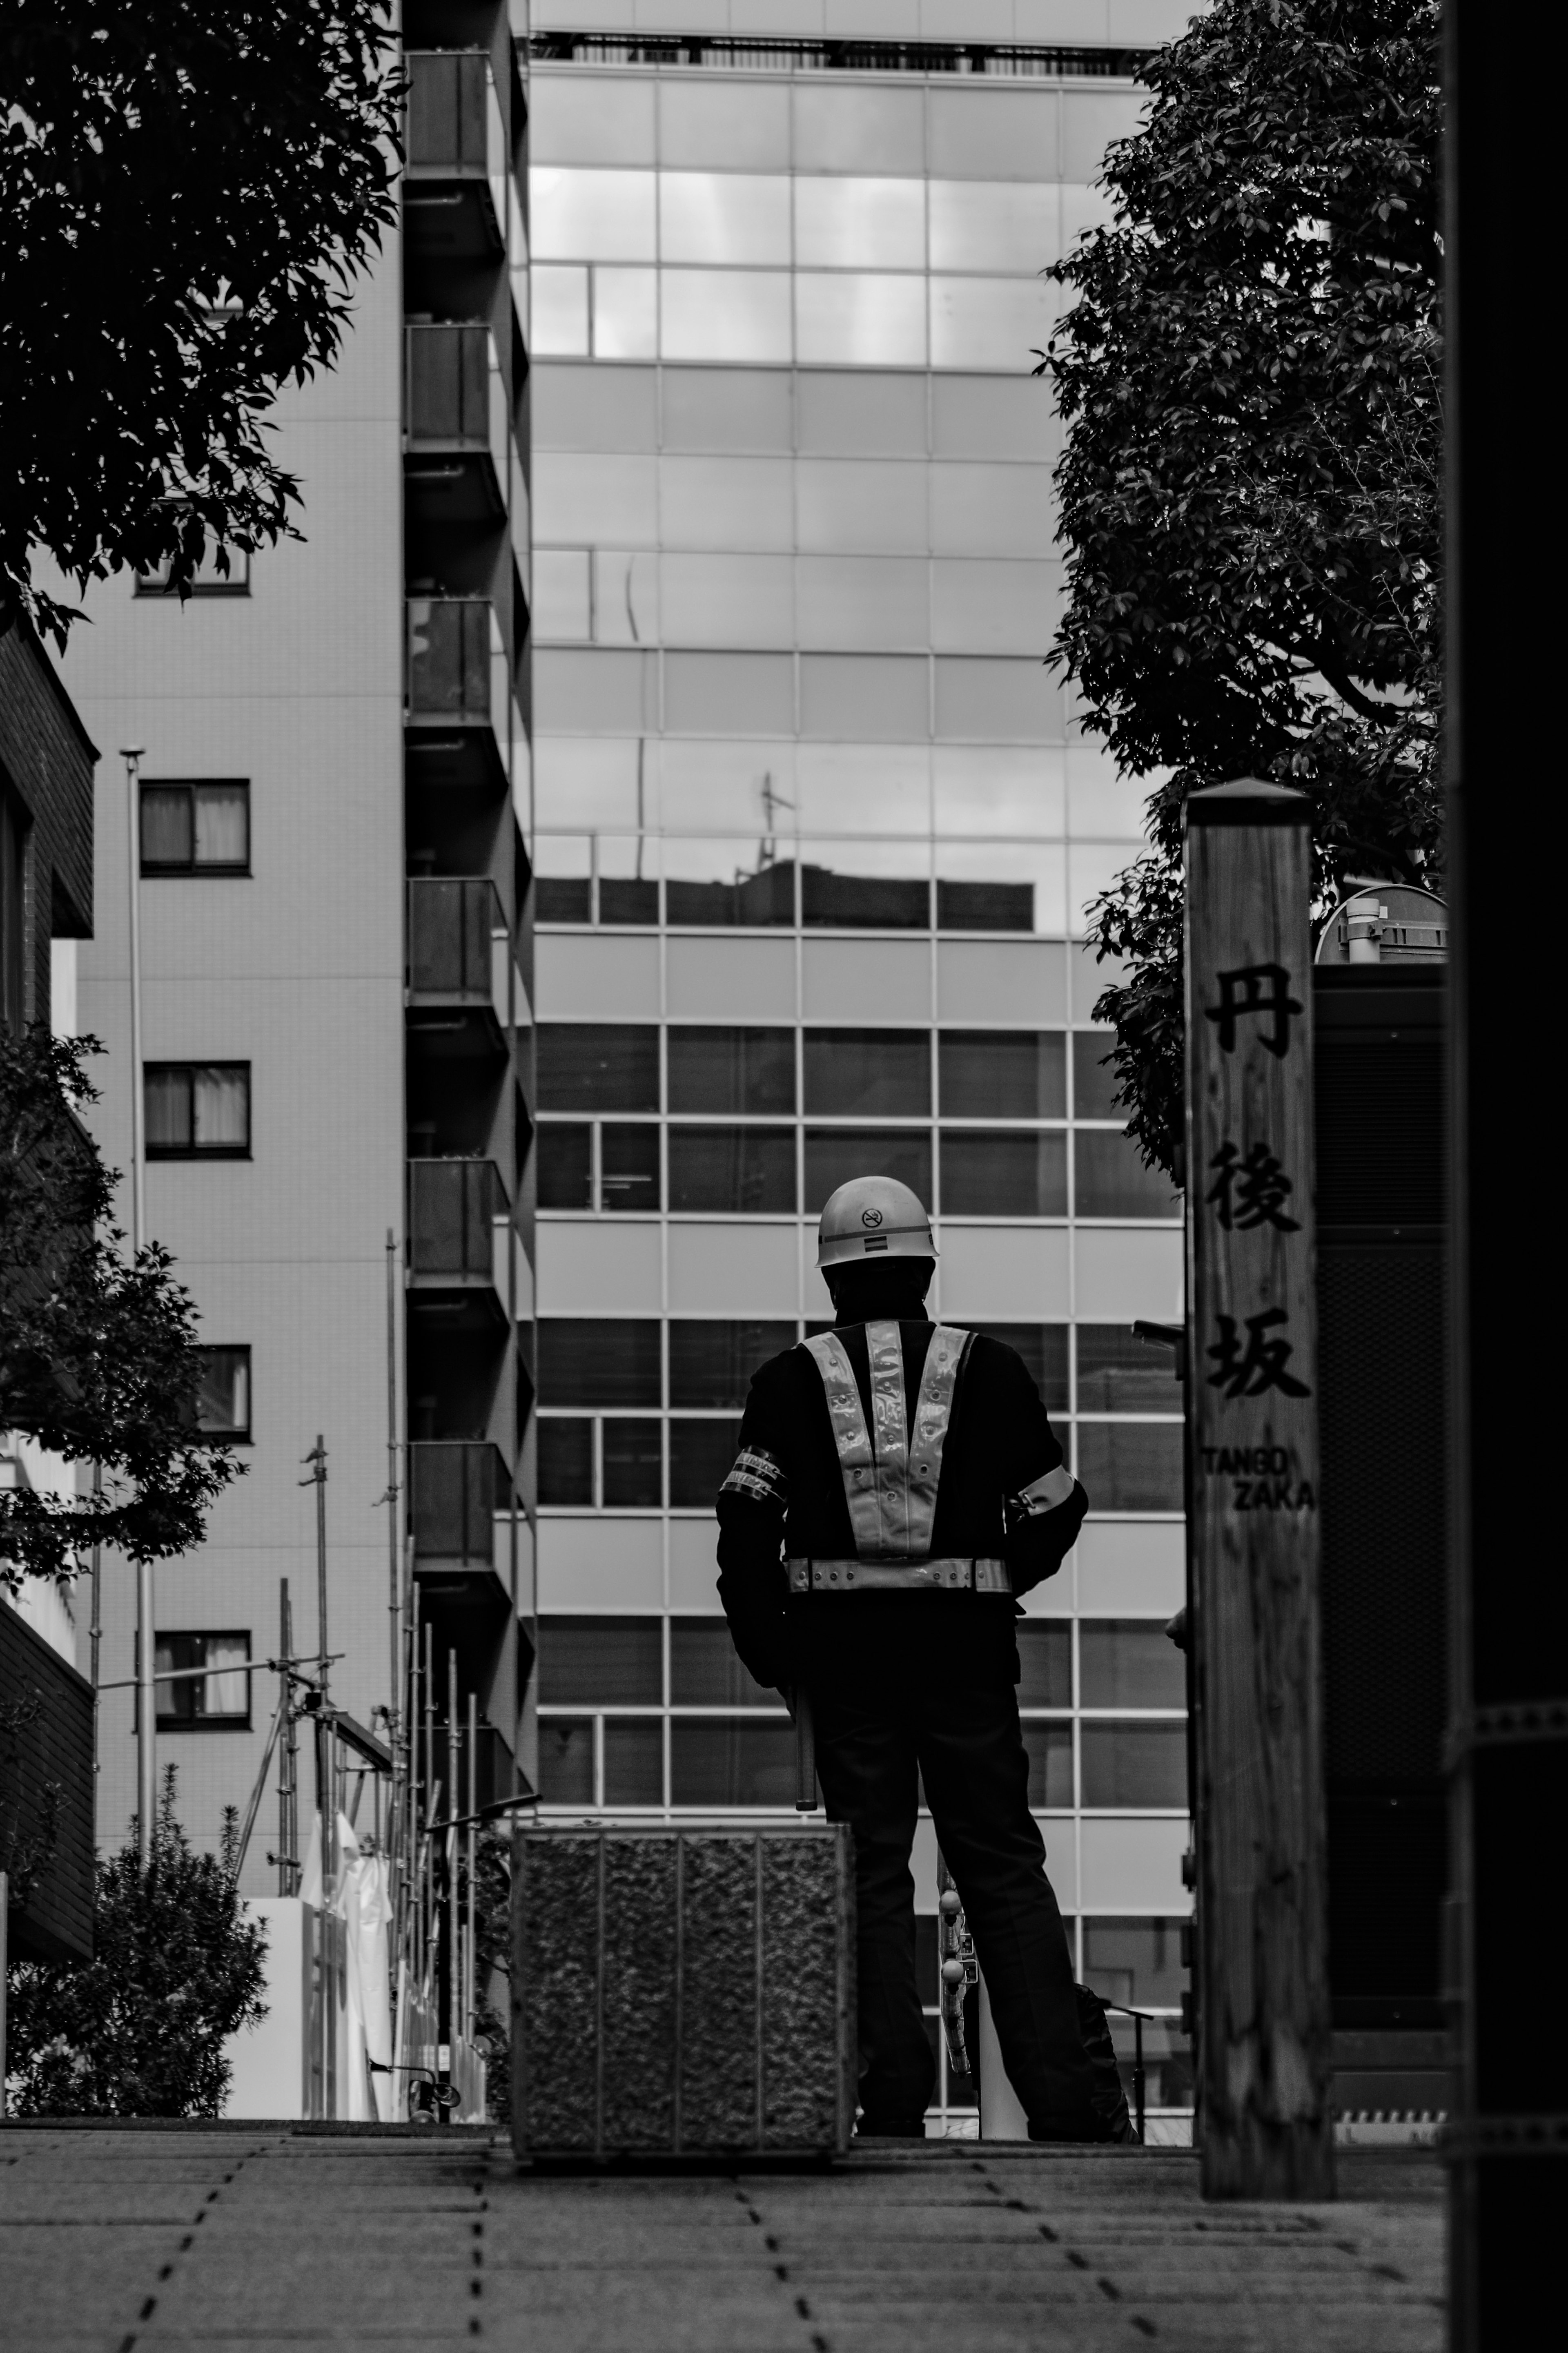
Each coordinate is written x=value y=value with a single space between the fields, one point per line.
x=873 y=1217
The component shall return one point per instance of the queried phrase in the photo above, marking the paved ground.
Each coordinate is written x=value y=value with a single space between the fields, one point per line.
x=112 y=2241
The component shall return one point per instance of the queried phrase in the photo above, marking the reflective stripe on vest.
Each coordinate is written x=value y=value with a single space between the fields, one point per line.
x=889 y=1486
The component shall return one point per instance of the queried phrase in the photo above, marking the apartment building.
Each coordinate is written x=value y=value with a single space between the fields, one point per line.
x=324 y=837
x=814 y=832
x=636 y=804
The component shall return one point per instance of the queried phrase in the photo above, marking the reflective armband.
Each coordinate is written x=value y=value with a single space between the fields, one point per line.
x=756 y=1475
x=1045 y=1493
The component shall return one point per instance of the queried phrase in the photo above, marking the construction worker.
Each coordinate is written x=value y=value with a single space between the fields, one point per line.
x=897 y=1487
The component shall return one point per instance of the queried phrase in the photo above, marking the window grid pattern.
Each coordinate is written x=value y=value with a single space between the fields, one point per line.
x=618 y=1429
x=624 y=1143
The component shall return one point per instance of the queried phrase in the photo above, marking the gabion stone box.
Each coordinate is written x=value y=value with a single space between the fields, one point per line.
x=682 y=1992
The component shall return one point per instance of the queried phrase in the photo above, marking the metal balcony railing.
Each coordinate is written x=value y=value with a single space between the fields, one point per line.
x=447 y=94
x=448 y=378
x=452 y=921
x=452 y=1208
x=449 y=657
x=455 y=1487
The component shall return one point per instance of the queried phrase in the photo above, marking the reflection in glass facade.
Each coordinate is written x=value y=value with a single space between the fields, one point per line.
x=812 y=832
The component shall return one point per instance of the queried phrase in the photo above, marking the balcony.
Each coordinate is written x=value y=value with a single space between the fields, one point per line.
x=452 y=1206
x=447 y=383
x=452 y=646
x=455 y=441
x=456 y=1489
x=450 y=94
x=455 y=925
x=455 y=138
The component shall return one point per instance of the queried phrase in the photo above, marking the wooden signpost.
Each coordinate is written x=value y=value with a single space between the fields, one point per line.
x=1260 y=1962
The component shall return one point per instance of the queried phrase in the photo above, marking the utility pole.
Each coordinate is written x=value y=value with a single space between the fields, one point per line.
x=287 y=1763
x=394 y=1537
x=1261 y=1963
x=317 y=1458
x=146 y=1637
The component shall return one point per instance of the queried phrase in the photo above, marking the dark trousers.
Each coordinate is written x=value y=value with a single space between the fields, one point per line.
x=969 y=1751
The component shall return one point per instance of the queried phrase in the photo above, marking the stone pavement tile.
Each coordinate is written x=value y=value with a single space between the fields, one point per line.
x=68 y=2282
x=327 y=2295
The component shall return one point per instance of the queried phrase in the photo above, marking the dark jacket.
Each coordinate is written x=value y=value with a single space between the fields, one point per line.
x=999 y=1441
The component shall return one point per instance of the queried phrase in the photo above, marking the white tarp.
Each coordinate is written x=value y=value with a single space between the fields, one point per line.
x=363 y=1904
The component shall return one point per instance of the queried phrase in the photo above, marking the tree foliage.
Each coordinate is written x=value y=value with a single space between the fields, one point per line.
x=1250 y=486
x=187 y=193
x=98 y=1359
x=176 y=1968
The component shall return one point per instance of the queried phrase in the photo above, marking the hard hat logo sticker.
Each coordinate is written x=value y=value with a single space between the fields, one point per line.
x=870 y=1217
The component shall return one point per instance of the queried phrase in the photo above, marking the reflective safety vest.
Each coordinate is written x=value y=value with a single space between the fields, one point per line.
x=890 y=1474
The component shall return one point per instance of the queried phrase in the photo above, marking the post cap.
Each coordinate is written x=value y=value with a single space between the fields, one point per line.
x=1247 y=800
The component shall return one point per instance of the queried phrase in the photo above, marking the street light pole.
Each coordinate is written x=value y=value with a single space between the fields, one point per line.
x=146 y=1726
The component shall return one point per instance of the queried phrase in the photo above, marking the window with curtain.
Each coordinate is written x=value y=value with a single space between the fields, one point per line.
x=197 y=1111
x=198 y=828
x=208 y=1683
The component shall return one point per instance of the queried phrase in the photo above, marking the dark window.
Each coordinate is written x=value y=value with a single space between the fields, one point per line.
x=751 y=900
x=628 y=1168
x=1119 y=1373
x=1004 y=1173
x=562 y=899
x=1044 y=1348
x=984 y=906
x=196 y=829
x=633 y=1746
x=597 y=1361
x=1094 y=1080
x=219 y=1695
x=731 y=1761
x=731 y=1070
x=705 y=1669
x=1003 y=1073
x=1131 y=1466
x=700 y=1454
x=633 y=1465
x=1135 y=1961
x=590 y=1066
x=565 y=1461
x=713 y=1363
x=624 y=900
x=197 y=1111
x=1112 y=1181
x=223 y=1393
x=1134 y=1764
x=833 y=1154
x=566 y=1760
x=867 y=1073
x=1129 y=1662
x=745 y=1171
x=1049 y=1746
x=876 y=903
x=600 y=1661
x=1044 y=1655
x=566 y=1167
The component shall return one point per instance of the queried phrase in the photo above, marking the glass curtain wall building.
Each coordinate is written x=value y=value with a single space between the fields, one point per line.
x=812 y=834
